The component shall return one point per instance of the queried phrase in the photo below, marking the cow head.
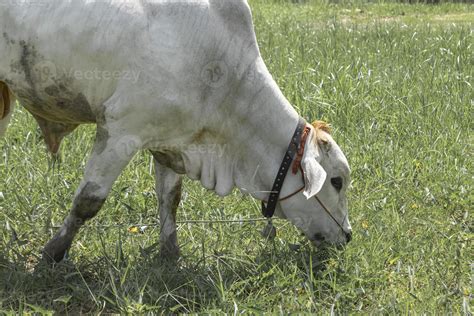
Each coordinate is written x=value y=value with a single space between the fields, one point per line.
x=320 y=211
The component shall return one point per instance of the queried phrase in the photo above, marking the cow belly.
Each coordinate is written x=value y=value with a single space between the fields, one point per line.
x=57 y=104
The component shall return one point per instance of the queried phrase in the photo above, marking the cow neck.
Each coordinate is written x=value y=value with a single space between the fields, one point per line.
x=266 y=126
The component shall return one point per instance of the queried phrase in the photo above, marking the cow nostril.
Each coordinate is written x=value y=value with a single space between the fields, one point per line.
x=349 y=236
x=318 y=237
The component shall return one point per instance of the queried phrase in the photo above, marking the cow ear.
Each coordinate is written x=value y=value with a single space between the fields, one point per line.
x=314 y=176
x=314 y=173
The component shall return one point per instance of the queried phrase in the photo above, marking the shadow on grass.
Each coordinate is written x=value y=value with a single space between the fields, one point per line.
x=134 y=284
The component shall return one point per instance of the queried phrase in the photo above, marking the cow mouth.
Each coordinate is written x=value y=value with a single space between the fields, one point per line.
x=319 y=241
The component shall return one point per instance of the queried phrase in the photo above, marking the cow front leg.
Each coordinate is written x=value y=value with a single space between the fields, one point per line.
x=168 y=191
x=109 y=157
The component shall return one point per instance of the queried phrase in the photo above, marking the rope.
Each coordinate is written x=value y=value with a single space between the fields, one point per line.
x=182 y=222
x=195 y=222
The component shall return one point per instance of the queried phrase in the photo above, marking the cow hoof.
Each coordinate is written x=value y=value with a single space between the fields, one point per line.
x=169 y=251
x=55 y=251
x=52 y=257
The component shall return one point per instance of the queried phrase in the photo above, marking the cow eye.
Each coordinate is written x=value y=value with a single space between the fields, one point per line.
x=337 y=183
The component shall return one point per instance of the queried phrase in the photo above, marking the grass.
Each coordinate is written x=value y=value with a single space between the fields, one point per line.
x=395 y=81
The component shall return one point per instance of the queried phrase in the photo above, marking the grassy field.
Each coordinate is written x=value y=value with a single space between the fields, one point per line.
x=394 y=80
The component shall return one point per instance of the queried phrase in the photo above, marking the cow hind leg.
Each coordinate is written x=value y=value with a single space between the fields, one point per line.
x=168 y=191
x=105 y=164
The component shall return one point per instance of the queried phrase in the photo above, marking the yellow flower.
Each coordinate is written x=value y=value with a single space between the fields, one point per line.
x=417 y=164
x=365 y=224
x=134 y=230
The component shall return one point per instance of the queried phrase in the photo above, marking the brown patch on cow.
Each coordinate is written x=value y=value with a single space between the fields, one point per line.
x=207 y=136
x=201 y=136
x=4 y=100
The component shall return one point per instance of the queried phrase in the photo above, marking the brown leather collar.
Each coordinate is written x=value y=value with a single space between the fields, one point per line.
x=295 y=149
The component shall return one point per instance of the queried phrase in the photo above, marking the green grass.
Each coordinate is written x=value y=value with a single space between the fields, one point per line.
x=394 y=80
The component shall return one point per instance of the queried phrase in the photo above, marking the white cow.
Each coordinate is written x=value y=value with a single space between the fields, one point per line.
x=183 y=79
